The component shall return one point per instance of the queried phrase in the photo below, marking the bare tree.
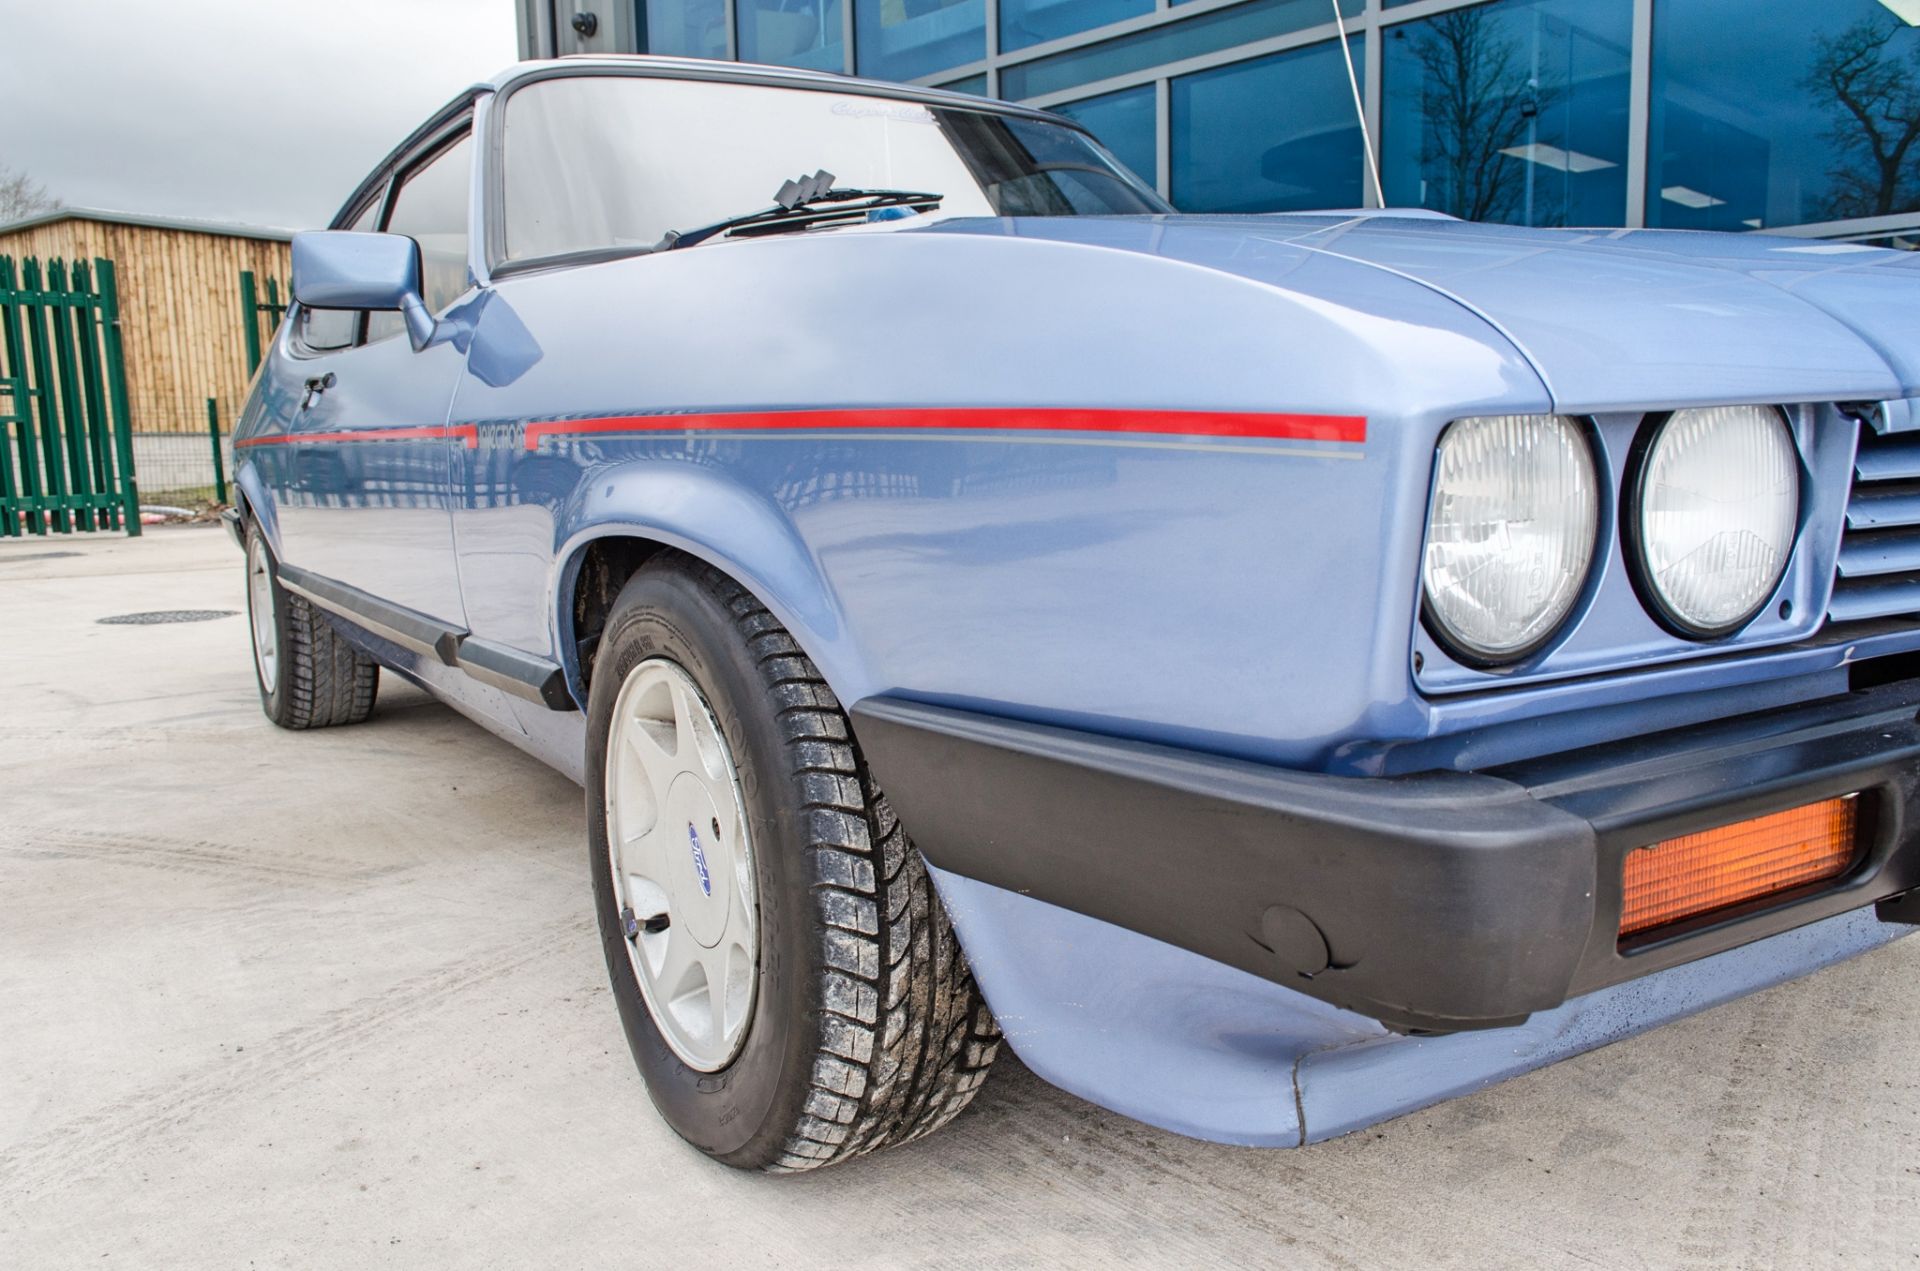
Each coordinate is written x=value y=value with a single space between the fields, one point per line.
x=21 y=196
x=1874 y=119
x=1477 y=99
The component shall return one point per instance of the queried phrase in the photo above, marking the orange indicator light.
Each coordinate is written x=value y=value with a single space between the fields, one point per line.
x=1699 y=873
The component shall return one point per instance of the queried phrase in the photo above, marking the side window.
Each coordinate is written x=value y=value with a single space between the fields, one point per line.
x=325 y=330
x=431 y=209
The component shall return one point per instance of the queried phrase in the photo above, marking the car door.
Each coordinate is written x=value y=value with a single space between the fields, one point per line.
x=365 y=490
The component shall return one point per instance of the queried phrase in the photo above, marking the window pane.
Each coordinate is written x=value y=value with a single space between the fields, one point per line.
x=1192 y=37
x=905 y=39
x=685 y=28
x=1793 y=113
x=590 y=165
x=1276 y=134
x=805 y=33
x=975 y=84
x=1124 y=123
x=1029 y=168
x=325 y=329
x=431 y=209
x=1024 y=22
x=1513 y=112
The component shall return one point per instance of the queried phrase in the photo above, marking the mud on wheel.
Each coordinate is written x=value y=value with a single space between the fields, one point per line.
x=789 y=983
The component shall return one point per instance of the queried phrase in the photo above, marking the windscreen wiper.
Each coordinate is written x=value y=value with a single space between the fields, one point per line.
x=802 y=204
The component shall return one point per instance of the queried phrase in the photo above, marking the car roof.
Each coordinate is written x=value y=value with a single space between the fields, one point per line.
x=692 y=68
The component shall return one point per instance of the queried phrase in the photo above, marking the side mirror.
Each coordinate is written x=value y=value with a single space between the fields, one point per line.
x=337 y=269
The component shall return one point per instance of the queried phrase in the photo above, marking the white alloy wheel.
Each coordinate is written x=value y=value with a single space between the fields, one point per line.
x=682 y=864
x=266 y=632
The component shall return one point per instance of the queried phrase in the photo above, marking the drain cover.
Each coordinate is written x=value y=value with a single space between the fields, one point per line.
x=8 y=560
x=167 y=615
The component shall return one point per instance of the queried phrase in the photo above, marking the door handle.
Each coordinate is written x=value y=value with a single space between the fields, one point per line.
x=316 y=385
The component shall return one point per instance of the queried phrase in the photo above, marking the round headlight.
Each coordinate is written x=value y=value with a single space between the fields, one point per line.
x=1718 y=498
x=1510 y=535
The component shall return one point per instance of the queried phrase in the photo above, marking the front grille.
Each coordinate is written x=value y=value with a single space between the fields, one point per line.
x=1879 y=574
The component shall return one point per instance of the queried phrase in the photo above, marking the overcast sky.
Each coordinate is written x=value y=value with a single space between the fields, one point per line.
x=262 y=111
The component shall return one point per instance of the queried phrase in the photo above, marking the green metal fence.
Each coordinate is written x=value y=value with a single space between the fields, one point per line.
x=253 y=309
x=66 y=448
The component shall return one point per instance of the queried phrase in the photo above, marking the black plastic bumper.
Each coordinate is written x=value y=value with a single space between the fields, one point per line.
x=1441 y=901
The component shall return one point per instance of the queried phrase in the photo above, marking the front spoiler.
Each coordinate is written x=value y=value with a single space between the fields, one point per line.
x=1437 y=902
x=1190 y=1045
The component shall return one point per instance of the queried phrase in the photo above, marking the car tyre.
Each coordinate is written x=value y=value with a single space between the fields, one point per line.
x=866 y=1028
x=307 y=673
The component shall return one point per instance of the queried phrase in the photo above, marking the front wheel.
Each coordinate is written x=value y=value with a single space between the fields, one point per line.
x=790 y=987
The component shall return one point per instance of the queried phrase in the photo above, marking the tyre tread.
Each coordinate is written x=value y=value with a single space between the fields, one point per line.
x=330 y=682
x=324 y=680
x=906 y=1039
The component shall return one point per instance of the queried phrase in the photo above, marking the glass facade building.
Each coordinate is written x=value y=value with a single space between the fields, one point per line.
x=1795 y=115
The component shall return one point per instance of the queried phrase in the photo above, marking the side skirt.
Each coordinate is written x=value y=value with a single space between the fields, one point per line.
x=523 y=675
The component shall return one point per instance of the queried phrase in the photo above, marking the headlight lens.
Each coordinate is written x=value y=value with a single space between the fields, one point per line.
x=1510 y=534
x=1719 y=498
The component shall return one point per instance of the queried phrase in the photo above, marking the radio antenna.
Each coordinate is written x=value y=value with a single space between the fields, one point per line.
x=1359 y=110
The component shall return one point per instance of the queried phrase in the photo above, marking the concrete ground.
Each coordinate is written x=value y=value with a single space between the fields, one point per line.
x=334 y=999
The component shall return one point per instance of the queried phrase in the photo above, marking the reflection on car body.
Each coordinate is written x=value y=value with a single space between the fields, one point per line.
x=1324 y=662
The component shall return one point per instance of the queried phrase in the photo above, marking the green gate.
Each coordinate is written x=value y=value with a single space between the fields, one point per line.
x=66 y=445
x=253 y=309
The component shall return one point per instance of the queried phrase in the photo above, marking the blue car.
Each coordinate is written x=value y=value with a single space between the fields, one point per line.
x=1276 y=671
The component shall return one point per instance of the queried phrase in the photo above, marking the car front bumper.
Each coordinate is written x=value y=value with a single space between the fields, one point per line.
x=1438 y=902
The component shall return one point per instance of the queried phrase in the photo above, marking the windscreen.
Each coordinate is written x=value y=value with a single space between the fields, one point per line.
x=609 y=162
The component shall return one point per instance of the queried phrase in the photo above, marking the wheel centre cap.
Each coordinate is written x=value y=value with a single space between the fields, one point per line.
x=701 y=883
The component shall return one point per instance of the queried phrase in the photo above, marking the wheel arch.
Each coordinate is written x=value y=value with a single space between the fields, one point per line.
x=648 y=511
x=252 y=500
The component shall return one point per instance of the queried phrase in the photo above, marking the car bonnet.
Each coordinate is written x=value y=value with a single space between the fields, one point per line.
x=1610 y=319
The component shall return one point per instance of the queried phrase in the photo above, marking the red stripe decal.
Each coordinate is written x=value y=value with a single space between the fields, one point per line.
x=469 y=433
x=1178 y=423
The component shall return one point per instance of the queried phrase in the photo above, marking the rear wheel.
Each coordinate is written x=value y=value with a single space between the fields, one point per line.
x=788 y=981
x=309 y=676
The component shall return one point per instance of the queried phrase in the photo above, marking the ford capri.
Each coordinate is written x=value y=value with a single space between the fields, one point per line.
x=1275 y=672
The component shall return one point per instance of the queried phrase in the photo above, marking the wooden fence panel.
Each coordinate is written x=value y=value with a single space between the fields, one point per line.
x=182 y=331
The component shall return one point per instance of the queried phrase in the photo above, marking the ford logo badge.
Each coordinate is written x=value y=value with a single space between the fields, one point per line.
x=700 y=860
